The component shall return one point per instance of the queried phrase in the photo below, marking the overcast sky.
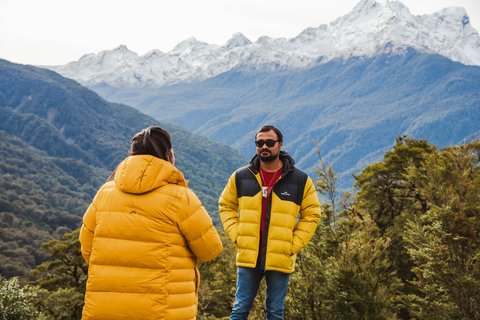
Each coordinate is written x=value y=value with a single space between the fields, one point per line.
x=55 y=32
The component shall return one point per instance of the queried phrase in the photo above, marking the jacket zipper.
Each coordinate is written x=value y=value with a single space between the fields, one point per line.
x=267 y=222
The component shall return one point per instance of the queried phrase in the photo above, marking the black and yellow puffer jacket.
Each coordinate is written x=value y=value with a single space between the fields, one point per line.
x=293 y=214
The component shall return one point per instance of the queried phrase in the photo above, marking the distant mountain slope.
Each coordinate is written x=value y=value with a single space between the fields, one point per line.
x=58 y=144
x=372 y=28
x=354 y=108
x=41 y=198
x=66 y=120
x=82 y=124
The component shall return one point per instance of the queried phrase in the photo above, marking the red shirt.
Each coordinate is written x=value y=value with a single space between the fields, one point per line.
x=268 y=181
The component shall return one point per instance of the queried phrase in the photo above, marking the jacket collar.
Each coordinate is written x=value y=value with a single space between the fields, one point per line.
x=286 y=159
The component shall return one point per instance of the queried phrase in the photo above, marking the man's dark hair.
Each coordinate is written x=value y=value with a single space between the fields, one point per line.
x=268 y=128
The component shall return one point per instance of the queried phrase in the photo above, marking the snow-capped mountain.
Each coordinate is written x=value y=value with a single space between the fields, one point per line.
x=373 y=27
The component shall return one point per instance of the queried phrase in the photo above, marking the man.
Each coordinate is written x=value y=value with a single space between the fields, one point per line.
x=270 y=209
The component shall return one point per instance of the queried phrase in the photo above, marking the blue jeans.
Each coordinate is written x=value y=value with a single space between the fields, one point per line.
x=248 y=280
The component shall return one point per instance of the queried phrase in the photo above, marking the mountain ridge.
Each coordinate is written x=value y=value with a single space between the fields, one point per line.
x=354 y=109
x=377 y=72
x=371 y=28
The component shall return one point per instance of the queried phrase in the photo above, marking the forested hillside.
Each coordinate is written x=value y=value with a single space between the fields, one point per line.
x=59 y=142
x=406 y=246
x=66 y=120
x=41 y=198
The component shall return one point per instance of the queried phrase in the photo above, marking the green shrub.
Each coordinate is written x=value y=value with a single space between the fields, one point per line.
x=15 y=301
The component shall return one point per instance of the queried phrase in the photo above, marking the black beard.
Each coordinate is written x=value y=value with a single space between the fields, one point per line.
x=268 y=158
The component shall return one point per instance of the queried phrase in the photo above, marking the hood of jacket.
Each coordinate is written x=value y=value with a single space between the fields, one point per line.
x=143 y=173
x=286 y=159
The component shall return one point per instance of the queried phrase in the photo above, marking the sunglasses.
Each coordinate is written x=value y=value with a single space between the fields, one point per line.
x=270 y=143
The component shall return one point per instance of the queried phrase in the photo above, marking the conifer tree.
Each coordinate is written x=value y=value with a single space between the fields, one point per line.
x=390 y=199
x=444 y=242
x=385 y=193
x=62 y=281
x=345 y=271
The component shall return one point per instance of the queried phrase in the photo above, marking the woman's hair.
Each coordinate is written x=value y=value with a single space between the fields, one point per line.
x=153 y=141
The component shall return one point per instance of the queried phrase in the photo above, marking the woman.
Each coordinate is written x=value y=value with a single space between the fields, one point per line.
x=142 y=236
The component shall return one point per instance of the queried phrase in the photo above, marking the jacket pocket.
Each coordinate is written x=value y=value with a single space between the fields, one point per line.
x=292 y=259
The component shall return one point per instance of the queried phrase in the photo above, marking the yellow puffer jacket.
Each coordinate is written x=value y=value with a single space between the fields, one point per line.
x=141 y=237
x=292 y=216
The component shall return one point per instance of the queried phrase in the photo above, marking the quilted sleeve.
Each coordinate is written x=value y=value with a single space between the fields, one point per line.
x=198 y=229
x=228 y=209
x=87 y=231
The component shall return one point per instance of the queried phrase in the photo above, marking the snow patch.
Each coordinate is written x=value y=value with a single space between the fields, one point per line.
x=372 y=28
